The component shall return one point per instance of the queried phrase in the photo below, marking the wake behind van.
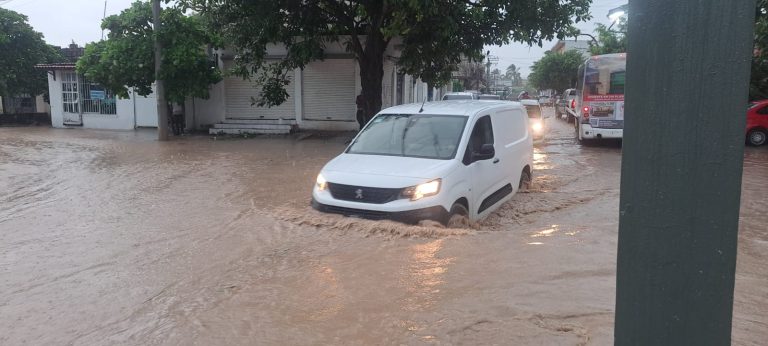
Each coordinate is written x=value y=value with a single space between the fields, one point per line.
x=453 y=162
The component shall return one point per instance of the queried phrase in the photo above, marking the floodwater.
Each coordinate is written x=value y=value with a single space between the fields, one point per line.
x=113 y=238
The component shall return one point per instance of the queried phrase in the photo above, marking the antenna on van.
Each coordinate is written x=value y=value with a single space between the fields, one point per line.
x=422 y=105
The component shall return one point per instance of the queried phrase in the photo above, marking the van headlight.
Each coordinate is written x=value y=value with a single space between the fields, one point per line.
x=321 y=183
x=420 y=191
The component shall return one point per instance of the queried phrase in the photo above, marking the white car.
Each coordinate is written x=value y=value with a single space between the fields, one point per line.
x=536 y=119
x=453 y=162
x=463 y=95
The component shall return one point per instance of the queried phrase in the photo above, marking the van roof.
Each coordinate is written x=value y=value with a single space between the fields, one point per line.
x=452 y=107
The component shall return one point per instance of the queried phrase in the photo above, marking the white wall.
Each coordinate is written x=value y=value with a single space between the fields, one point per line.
x=144 y=108
x=57 y=108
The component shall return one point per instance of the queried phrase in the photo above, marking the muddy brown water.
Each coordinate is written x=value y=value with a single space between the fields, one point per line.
x=113 y=238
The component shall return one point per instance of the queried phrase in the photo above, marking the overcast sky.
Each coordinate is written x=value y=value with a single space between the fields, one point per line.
x=62 y=21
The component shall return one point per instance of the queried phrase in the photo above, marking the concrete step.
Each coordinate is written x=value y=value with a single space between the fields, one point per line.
x=260 y=121
x=286 y=127
x=240 y=131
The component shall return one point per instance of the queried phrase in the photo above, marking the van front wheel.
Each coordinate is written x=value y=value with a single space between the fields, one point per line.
x=459 y=217
x=525 y=181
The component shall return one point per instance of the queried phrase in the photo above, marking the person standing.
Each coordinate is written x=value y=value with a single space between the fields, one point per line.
x=361 y=118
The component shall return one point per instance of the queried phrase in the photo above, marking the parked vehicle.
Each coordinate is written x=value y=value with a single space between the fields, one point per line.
x=535 y=118
x=599 y=105
x=453 y=162
x=462 y=95
x=545 y=100
x=566 y=105
x=489 y=97
x=757 y=123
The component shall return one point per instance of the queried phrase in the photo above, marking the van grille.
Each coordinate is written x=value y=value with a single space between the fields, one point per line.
x=363 y=194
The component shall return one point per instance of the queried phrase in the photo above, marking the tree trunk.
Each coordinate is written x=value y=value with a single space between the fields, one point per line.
x=162 y=105
x=372 y=74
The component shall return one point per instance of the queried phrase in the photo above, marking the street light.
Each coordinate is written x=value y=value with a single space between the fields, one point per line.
x=615 y=14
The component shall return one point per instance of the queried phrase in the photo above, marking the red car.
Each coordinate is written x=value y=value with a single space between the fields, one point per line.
x=757 y=123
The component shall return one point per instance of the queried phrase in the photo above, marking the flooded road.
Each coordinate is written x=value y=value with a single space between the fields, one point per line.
x=112 y=238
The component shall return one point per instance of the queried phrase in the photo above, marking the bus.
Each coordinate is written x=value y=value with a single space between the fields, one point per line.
x=600 y=97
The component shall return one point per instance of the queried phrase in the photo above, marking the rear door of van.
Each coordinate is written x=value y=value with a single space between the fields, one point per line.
x=513 y=142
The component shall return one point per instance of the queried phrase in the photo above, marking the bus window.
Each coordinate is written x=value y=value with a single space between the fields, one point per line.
x=604 y=75
x=617 y=83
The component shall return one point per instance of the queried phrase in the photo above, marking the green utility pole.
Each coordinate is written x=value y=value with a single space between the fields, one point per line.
x=688 y=68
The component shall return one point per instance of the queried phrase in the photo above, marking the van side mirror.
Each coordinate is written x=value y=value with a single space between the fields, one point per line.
x=486 y=152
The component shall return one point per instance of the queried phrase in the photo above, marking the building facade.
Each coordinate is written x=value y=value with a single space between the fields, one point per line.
x=320 y=97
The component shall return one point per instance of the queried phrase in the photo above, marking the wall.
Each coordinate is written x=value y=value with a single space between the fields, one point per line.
x=203 y=113
x=144 y=109
x=57 y=109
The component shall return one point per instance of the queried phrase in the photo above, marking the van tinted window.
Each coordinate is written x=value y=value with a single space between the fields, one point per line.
x=482 y=133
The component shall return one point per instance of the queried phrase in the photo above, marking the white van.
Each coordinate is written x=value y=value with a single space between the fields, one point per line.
x=448 y=161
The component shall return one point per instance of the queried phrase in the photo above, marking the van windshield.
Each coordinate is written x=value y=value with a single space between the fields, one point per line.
x=411 y=135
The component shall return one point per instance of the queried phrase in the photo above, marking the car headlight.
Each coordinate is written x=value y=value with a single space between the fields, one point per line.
x=321 y=183
x=537 y=127
x=422 y=190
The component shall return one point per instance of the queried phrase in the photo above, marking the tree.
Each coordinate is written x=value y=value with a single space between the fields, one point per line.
x=611 y=41
x=433 y=36
x=21 y=48
x=758 y=85
x=472 y=74
x=126 y=58
x=513 y=73
x=556 y=70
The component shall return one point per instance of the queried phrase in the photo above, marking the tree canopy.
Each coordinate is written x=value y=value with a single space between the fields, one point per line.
x=758 y=86
x=610 y=40
x=432 y=37
x=513 y=73
x=126 y=58
x=21 y=48
x=556 y=70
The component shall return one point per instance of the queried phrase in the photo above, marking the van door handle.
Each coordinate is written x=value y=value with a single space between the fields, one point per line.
x=496 y=160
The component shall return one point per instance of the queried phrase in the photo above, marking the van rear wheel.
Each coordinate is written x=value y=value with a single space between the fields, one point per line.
x=459 y=217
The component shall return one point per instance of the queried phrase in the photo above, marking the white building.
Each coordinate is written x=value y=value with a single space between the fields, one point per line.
x=75 y=102
x=321 y=97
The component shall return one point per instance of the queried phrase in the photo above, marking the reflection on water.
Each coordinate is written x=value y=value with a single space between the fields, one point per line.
x=424 y=275
x=546 y=232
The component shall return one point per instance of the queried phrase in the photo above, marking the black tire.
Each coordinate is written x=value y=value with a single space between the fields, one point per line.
x=525 y=181
x=757 y=137
x=458 y=217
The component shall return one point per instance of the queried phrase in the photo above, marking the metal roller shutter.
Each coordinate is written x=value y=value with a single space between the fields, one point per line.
x=238 y=93
x=329 y=90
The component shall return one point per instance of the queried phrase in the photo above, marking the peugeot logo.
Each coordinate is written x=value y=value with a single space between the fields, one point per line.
x=359 y=194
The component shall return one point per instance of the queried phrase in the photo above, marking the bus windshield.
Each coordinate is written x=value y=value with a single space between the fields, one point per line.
x=604 y=78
